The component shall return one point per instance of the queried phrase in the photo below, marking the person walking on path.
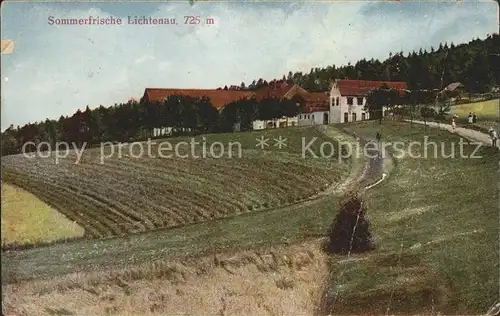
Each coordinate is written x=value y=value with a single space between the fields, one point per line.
x=469 y=118
x=474 y=118
x=378 y=137
x=453 y=124
x=494 y=137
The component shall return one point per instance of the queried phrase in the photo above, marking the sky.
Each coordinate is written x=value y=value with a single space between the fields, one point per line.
x=55 y=70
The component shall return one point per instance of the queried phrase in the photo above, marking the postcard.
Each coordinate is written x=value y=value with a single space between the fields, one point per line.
x=250 y=158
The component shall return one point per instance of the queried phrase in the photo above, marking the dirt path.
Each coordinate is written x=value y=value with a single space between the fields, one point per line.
x=378 y=164
x=462 y=131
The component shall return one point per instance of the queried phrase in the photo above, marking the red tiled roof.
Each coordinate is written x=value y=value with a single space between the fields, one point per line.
x=316 y=102
x=363 y=87
x=316 y=97
x=219 y=98
x=273 y=90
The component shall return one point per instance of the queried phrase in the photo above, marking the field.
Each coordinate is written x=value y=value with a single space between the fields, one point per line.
x=434 y=221
x=130 y=193
x=487 y=113
x=26 y=219
x=483 y=109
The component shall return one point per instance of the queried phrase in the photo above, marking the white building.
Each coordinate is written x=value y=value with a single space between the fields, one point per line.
x=348 y=98
x=276 y=123
x=314 y=118
x=316 y=109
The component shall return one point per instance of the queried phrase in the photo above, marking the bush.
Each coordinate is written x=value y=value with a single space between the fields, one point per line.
x=350 y=230
x=427 y=112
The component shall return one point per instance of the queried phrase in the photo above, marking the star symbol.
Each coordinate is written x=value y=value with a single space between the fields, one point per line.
x=280 y=142
x=262 y=142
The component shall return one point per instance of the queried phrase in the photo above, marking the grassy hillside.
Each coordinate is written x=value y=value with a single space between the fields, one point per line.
x=483 y=109
x=488 y=113
x=435 y=221
x=26 y=219
x=129 y=193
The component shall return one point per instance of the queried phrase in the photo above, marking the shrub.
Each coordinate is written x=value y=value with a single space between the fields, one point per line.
x=350 y=231
x=427 y=112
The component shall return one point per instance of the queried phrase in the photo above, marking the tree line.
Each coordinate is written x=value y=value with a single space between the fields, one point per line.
x=134 y=120
x=475 y=64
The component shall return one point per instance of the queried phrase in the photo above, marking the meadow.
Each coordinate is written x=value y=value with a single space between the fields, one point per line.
x=488 y=114
x=26 y=219
x=485 y=109
x=435 y=222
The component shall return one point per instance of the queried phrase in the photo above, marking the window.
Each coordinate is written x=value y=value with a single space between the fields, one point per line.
x=349 y=100
x=337 y=101
x=363 y=116
x=346 y=117
x=354 y=117
x=360 y=101
x=312 y=117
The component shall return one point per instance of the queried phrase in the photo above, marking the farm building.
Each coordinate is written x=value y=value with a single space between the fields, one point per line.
x=344 y=103
x=455 y=86
x=282 y=90
x=316 y=110
x=276 y=123
x=348 y=98
x=454 y=91
x=220 y=98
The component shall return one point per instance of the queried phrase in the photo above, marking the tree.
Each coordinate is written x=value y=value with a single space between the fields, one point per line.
x=207 y=116
x=188 y=113
x=269 y=109
x=443 y=110
x=228 y=117
x=51 y=132
x=290 y=107
x=427 y=112
x=87 y=125
x=243 y=111
x=252 y=85
x=350 y=231
x=9 y=143
x=374 y=104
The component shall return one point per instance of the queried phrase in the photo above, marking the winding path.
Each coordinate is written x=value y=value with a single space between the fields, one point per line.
x=462 y=131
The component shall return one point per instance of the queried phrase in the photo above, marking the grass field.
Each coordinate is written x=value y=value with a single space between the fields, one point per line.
x=26 y=219
x=128 y=195
x=483 y=109
x=488 y=113
x=435 y=221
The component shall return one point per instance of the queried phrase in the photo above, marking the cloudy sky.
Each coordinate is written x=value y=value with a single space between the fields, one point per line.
x=54 y=70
